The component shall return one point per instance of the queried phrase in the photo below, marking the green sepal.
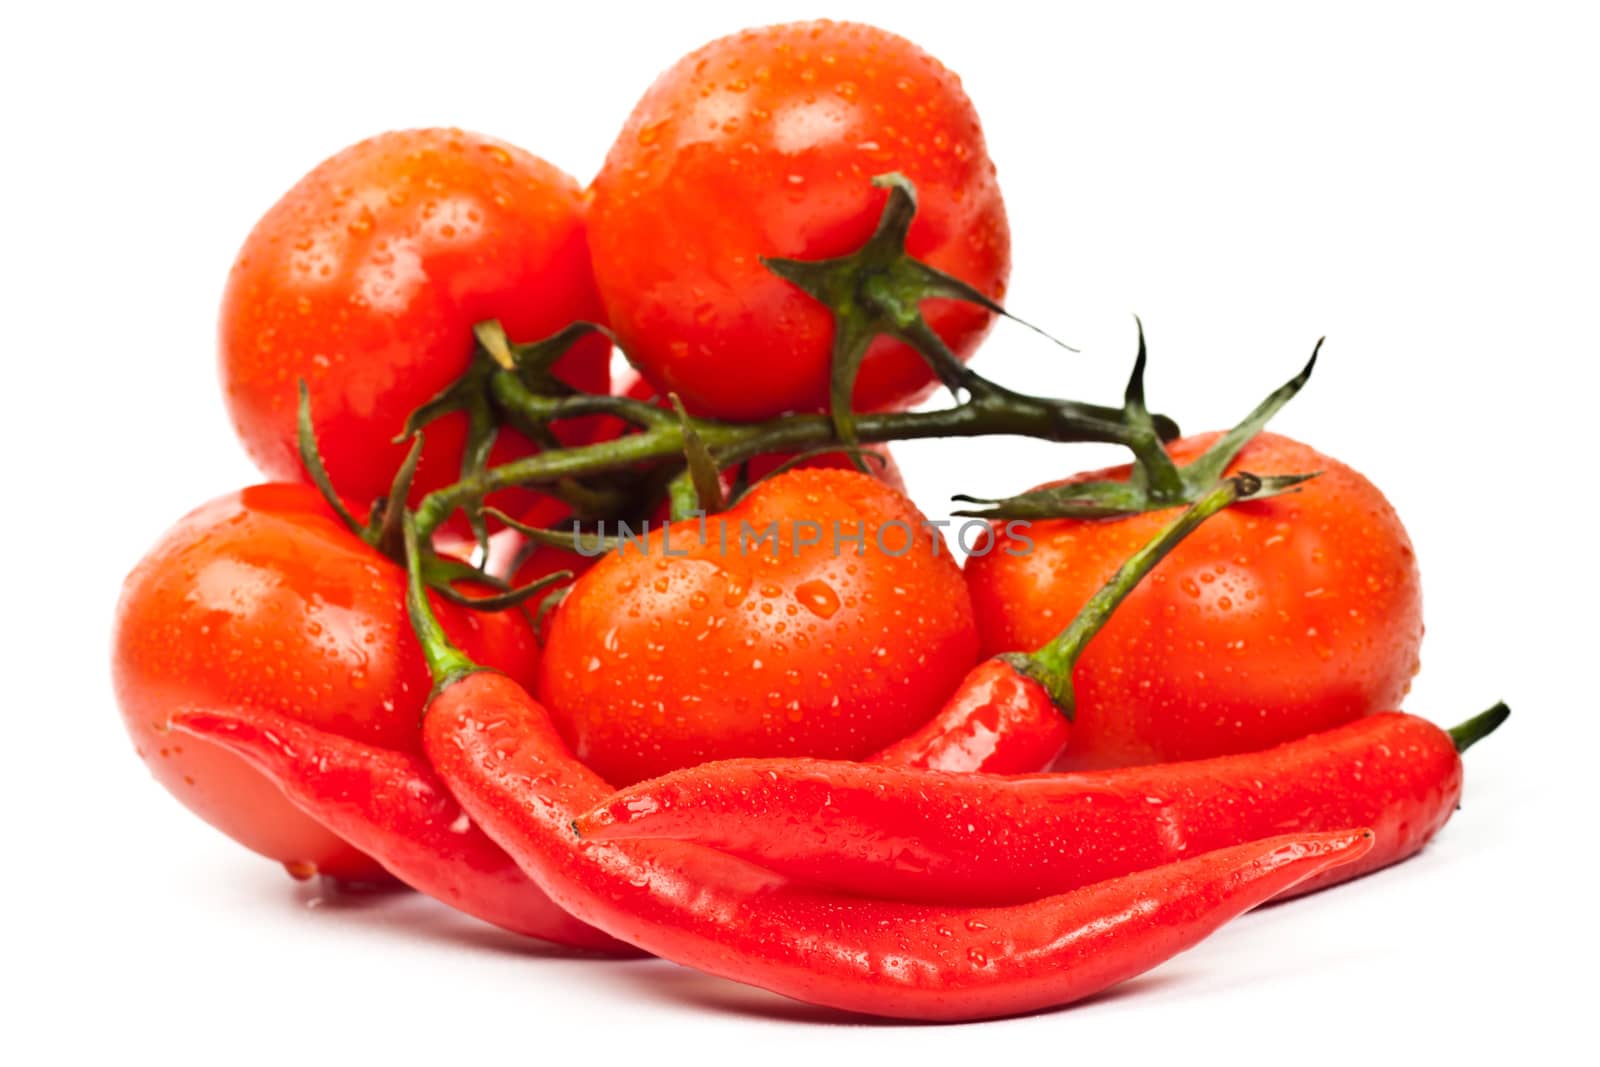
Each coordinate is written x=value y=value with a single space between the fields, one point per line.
x=573 y=540
x=384 y=530
x=1083 y=500
x=548 y=604
x=878 y=291
x=1101 y=500
x=1209 y=467
x=705 y=477
x=505 y=600
x=534 y=362
x=472 y=395
x=440 y=572
x=316 y=470
x=1154 y=473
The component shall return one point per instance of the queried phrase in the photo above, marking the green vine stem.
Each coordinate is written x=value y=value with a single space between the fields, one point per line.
x=661 y=436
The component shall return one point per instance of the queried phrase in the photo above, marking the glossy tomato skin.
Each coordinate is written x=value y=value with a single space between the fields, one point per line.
x=365 y=280
x=262 y=598
x=655 y=662
x=1276 y=619
x=764 y=144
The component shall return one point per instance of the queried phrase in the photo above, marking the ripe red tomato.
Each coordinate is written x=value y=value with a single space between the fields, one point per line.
x=1276 y=619
x=262 y=598
x=764 y=144
x=366 y=279
x=658 y=661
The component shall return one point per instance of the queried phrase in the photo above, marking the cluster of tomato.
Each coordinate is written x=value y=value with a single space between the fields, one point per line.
x=266 y=626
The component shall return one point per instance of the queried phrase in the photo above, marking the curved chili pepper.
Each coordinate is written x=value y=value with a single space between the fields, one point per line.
x=501 y=755
x=393 y=807
x=499 y=752
x=982 y=839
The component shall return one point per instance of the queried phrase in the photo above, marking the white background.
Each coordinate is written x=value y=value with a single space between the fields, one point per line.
x=1418 y=183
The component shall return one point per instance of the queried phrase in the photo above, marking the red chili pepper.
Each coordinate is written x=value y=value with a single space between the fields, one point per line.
x=999 y=721
x=982 y=839
x=500 y=754
x=393 y=807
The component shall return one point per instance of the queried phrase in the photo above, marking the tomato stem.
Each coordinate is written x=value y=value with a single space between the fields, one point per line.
x=661 y=438
x=1052 y=664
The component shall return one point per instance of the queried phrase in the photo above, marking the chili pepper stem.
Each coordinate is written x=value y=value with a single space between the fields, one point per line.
x=446 y=662
x=1052 y=664
x=1478 y=727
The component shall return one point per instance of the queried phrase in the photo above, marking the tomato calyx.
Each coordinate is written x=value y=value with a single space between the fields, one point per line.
x=528 y=370
x=1156 y=481
x=878 y=291
x=385 y=527
x=1051 y=666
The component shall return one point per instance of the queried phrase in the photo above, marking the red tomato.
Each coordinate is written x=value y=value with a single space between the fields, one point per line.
x=262 y=598
x=657 y=661
x=764 y=144
x=1276 y=619
x=366 y=279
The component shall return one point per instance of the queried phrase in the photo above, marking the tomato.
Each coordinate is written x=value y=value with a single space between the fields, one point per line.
x=764 y=144
x=365 y=280
x=1276 y=619
x=658 y=661
x=262 y=598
